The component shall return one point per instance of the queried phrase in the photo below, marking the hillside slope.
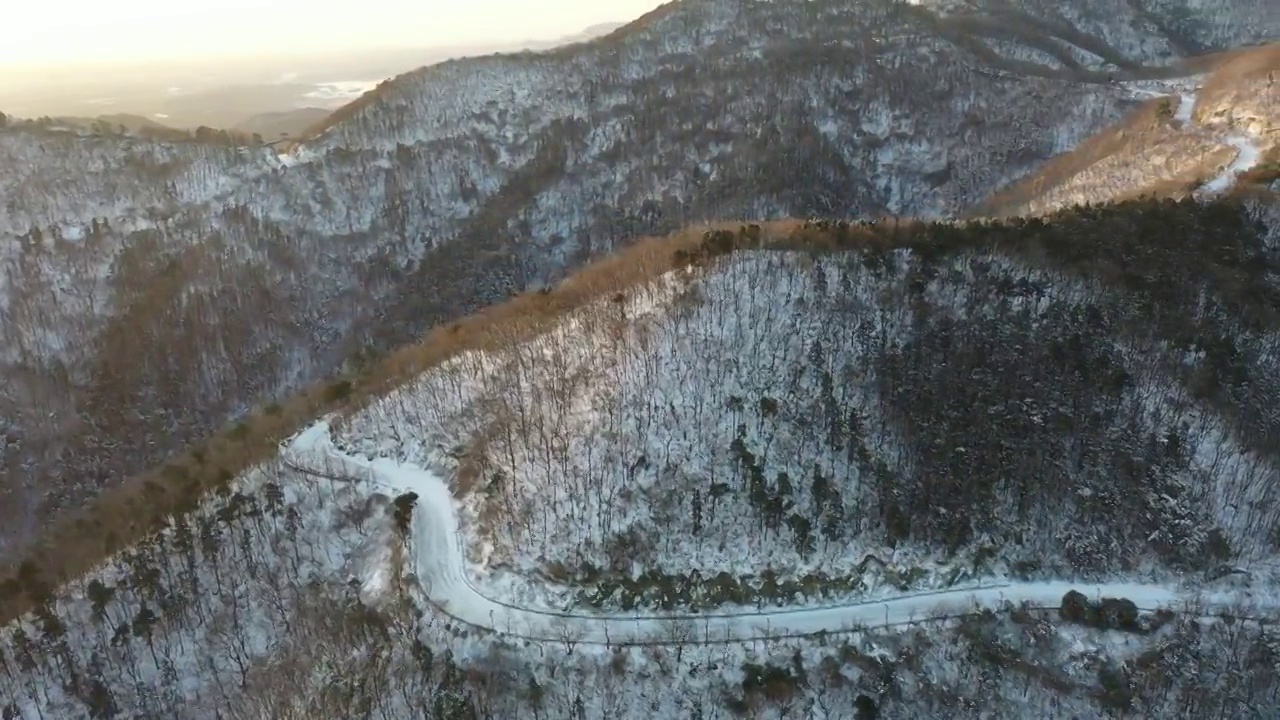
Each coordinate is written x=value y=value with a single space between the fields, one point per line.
x=1199 y=134
x=787 y=416
x=154 y=289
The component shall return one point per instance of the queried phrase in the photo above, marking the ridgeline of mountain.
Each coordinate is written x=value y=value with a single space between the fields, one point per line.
x=129 y=122
x=155 y=289
x=588 y=33
x=772 y=416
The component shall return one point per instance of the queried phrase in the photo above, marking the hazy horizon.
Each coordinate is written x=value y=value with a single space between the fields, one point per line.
x=87 y=32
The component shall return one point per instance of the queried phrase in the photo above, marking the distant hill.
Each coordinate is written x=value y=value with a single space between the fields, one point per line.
x=273 y=125
x=132 y=123
x=589 y=33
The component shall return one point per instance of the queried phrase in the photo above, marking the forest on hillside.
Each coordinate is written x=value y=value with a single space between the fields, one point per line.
x=1107 y=372
x=153 y=289
x=1089 y=394
x=1157 y=275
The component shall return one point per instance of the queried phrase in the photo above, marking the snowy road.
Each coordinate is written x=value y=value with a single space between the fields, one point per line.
x=1248 y=151
x=1247 y=156
x=440 y=562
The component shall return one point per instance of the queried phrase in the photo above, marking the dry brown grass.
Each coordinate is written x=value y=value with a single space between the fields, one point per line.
x=1243 y=87
x=1237 y=67
x=1144 y=134
x=1143 y=126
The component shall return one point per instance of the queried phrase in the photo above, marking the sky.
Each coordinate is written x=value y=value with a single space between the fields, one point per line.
x=61 y=32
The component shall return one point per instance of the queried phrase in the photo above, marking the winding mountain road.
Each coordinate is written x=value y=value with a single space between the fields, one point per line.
x=439 y=560
x=1248 y=150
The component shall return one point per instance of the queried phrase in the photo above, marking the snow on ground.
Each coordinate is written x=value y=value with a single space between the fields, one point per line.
x=1186 y=107
x=193 y=612
x=630 y=424
x=227 y=599
x=1248 y=149
x=441 y=567
x=1247 y=156
x=617 y=440
x=220 y=611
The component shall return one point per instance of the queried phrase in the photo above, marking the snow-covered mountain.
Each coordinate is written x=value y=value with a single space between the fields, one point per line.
x=1201 y=135
x=735 y=472
x=908 y=469
x=153 y=289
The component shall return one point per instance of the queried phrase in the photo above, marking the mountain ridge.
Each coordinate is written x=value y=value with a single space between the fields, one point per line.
x=177 y=486
x=454 y=205
x=1082 y=325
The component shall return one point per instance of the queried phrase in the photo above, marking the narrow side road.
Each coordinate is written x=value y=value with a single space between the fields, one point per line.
x=439 y=560
x=1248 y=150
